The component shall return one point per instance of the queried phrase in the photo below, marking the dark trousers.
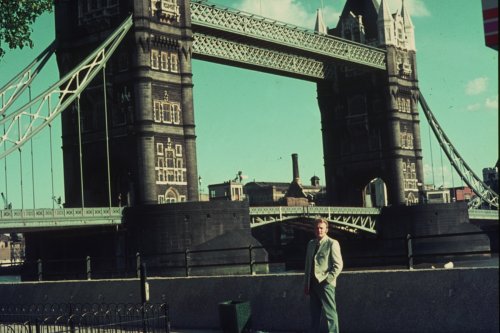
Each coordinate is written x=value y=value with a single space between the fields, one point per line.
x=322 y=296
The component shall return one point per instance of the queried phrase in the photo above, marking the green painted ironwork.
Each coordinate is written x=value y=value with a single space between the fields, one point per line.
x=483 y=192
x=287 y=39
x=349 y=219
x=41 y=111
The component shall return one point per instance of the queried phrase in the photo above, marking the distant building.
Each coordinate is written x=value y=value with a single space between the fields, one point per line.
x=490 y=177
x=285 y=194
x=438 y=196
x=463 y=193
x=11 y=248
x=273 y=193
x=230 y=190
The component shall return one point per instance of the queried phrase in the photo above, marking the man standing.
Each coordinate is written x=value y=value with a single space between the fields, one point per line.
x=323 y=266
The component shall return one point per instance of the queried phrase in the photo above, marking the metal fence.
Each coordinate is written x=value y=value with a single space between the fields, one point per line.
x=88 y=318
x=402 y=252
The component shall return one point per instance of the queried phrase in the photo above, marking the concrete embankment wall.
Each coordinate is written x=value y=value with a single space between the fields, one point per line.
x=439 y=300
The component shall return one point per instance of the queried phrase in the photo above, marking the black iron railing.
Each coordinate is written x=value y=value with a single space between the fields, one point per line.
x=404 y=251
x=88 y=318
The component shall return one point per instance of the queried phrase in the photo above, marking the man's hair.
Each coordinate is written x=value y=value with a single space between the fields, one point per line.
x=318 y=221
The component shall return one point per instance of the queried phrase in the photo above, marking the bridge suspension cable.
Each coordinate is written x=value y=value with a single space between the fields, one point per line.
x=41 y=111
x=482 y=191
x=16 y=86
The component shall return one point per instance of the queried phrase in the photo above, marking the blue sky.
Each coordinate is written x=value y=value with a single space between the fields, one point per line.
x=253 y=122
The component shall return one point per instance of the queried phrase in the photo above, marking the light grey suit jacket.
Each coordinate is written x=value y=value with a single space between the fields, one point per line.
x=327 y=262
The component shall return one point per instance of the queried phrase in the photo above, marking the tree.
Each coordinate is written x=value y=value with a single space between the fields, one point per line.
x=16 y=18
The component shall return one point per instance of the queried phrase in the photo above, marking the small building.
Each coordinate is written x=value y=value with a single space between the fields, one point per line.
x=463 y=193
x=230 y=190
x=438 y=196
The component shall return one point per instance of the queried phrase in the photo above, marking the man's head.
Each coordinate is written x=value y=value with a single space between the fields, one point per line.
x=320 y=228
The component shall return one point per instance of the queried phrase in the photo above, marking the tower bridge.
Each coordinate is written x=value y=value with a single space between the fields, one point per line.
x=127 y=112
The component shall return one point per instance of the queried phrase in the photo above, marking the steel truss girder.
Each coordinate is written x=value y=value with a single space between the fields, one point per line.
x=21 y=125
x=350 y=219
x=322 y=47
x=483 y=192
x=15 y=87
x=250 y=56
x=18 y=220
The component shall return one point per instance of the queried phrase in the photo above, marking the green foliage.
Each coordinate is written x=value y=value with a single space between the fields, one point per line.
x=16 y=18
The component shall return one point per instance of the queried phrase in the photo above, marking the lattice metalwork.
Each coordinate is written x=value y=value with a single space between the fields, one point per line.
x=323 y=47
x=350 y=219
x=247 y=55
x=22 y=220
x=483 y=192
x=22 y=124
x=18 y=84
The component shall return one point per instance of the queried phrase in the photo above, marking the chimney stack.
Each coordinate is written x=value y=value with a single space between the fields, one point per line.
x=295 y=165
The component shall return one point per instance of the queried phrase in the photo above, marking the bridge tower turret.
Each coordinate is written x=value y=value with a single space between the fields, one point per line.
x=370 y=120
x=149 y=103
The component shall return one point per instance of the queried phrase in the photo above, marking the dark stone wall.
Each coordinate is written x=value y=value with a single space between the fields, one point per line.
x=160 y=234
x=431 y=220
x=439 y=300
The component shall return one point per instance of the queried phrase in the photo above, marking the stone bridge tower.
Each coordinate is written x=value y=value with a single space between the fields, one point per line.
x=370 y=120
x=149 y=100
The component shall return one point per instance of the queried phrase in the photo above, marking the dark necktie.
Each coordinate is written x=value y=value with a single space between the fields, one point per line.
x=317 y=248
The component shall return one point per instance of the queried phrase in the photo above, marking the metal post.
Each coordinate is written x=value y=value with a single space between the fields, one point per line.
x=39 y=268
x=144 y=295
x=144 y=284
x=250 y=257
x=89 y=268
x=186 y=261
x=138 y=264
x=167 y=319
x=409 y=251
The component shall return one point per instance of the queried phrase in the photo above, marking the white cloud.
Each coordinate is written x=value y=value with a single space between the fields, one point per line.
x=476 y=86
x=473 y=107
x=491 y=103
x=289 y=11
x=415 y=7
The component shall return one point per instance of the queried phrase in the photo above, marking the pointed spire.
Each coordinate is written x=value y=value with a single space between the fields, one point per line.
x=320 y=26
x=385 y=24
x=405 y=13
x=384 y=14
x=408 y=26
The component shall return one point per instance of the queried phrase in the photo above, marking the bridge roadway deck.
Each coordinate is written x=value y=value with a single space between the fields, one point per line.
x=350 y=219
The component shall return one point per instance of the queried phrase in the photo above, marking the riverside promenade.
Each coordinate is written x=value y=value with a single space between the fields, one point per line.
x=426 y=300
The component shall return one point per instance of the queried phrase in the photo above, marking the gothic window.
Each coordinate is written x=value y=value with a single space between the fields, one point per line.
x=175 y=113
x=171 y=195
x=164 y=61
x=406 y=139
x=161 y=199
x=404 y=104
x=409 y=176
x=159 y=149
x=178 y=150
x=170 y=165
x=166 y=112
x=174 y=63
x=154 y=59
x=157 y=111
